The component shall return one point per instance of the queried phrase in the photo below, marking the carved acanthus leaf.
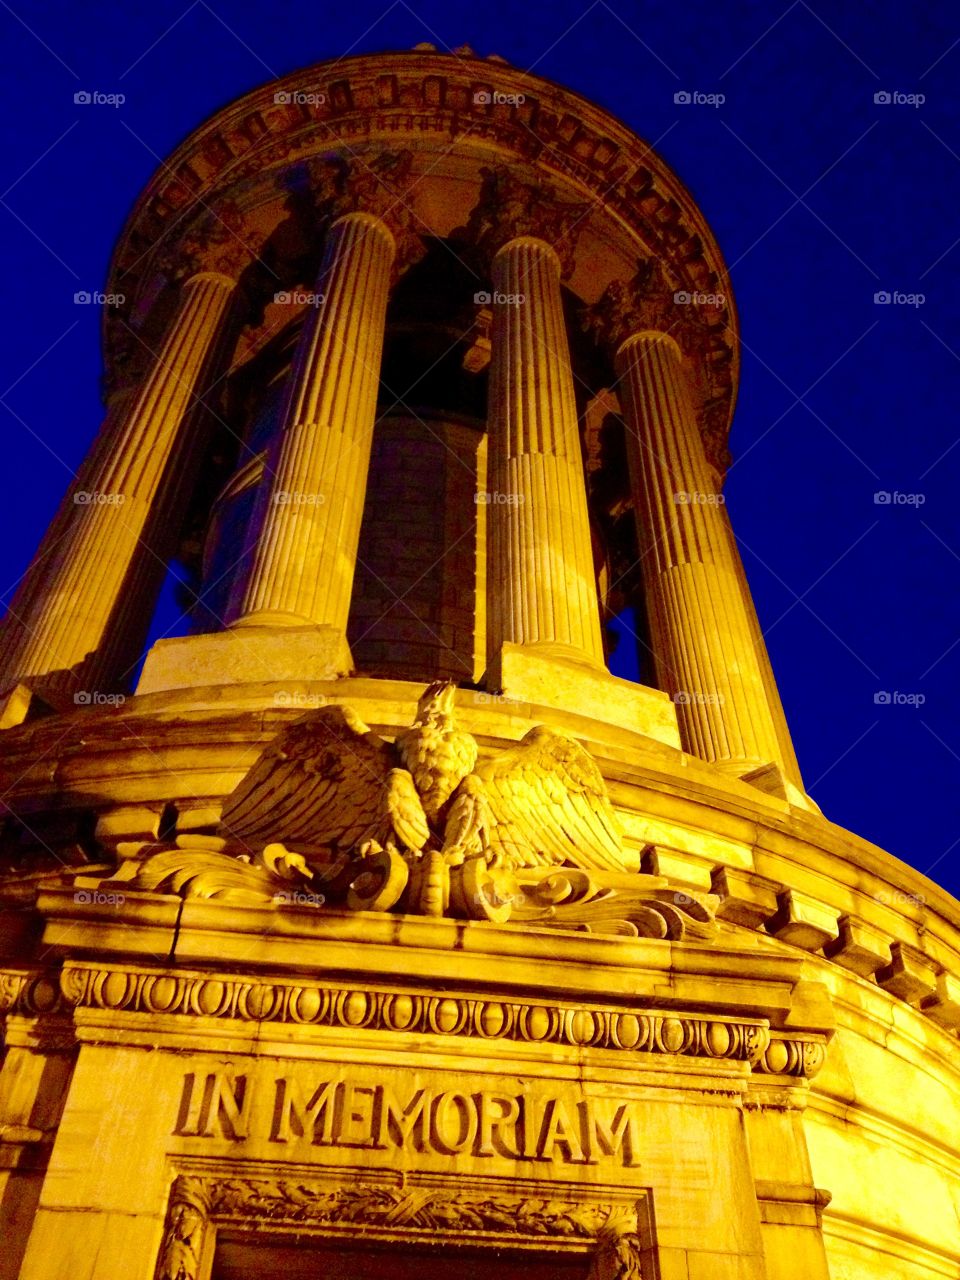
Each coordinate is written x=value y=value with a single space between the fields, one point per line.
x=187 y=1217
x=641 y=304
x=382 y=185
x=509 y=207
x=222 y=239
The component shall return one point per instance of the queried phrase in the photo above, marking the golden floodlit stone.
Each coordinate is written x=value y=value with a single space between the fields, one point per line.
x=381 y=930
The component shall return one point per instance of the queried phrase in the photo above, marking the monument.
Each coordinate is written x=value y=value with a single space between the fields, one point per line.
x=370 y=926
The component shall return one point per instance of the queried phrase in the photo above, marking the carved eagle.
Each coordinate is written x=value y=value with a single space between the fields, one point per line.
x=328 y=785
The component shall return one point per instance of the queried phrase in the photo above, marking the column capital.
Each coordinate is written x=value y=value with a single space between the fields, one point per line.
x=220 y=242
x=645 y=304
x=371 y=220
x=510 y=208
x=380 y=186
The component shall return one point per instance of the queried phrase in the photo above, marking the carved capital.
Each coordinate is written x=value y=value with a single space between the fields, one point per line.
x=381 y=186
x=644 y=304
x=509 y=207
x=221 y=240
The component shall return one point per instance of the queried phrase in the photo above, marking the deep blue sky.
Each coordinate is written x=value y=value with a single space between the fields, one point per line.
x=819 y=198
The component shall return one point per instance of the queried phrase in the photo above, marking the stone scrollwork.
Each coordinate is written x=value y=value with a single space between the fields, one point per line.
x=390 y=1213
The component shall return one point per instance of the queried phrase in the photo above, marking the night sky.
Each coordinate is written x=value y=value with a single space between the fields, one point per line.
x=820 y=198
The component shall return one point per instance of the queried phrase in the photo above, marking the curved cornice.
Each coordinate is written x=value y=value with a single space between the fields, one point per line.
x=435 y=100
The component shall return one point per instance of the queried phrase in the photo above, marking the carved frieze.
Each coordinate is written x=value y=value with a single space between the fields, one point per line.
x=418 y=1211
x=326 y=1004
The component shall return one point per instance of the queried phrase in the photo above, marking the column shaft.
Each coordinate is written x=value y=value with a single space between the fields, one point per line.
x=541 y=581
x=308 y=528
x=61 y=614
x=706 y=651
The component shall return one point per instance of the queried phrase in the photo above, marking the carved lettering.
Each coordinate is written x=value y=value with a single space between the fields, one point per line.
x=294 y=1118
x=497 y=1112
x=401 y=1126
x=620 y=1135
x=454 y=1123
x=559 y=1131
x=355 y=1128
x=214 y=1105
x=344 y=1112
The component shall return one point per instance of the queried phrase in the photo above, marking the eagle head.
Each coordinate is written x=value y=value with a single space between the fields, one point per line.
x=436 y=703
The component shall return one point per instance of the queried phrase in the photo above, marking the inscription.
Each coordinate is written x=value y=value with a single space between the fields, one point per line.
x=343 y=1112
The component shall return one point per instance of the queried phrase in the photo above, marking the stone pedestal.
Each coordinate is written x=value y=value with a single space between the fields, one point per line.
x=246 y=655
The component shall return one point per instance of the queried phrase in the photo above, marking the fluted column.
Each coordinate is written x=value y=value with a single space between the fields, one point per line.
x=60 y=616
x=541 y=582
x=306 y=536
x=704 y=646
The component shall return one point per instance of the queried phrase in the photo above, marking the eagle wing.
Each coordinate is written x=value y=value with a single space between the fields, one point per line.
x=548 y=804
x=318 y=784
